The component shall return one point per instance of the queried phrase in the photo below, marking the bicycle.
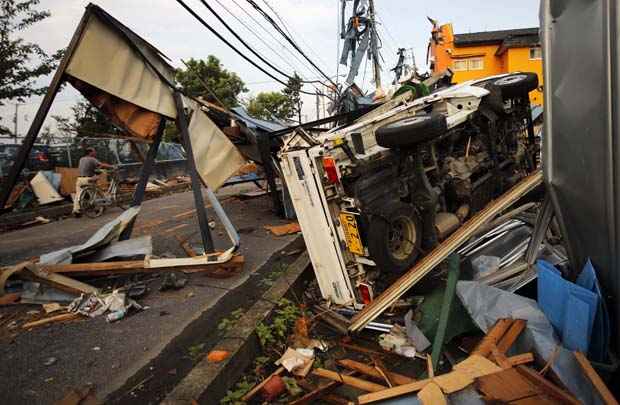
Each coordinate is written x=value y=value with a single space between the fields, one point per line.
x=93 y=201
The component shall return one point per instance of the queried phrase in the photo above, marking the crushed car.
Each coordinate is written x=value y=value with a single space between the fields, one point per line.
x=372 y=196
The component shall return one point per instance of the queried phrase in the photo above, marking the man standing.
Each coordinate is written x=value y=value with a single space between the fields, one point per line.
x=88 y=164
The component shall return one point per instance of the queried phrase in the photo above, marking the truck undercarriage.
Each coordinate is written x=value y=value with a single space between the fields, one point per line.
x=396 y=182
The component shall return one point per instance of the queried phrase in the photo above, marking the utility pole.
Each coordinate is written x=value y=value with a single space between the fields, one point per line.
x=317 y=107
x=375 y=52
x=15 y=122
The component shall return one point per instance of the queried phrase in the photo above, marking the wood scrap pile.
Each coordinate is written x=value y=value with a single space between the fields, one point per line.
x=488 y=371
x=102 y=275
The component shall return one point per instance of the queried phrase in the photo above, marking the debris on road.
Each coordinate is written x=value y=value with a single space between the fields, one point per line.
x=286 y=229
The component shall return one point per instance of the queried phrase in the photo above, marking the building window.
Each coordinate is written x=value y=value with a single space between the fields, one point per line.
x=476 y=64
x=461 y=65
x=536 y=53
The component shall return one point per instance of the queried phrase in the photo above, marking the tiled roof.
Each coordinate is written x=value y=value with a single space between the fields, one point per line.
x=492 y=37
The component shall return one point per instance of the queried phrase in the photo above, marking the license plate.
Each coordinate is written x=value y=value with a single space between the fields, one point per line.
x=351 y=233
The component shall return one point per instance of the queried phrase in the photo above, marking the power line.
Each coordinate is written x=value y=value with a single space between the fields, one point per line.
x=296 y=33
x=284 y=34
x=221 y=38
x=284 y=47
x=295 y=68
x=221 y=20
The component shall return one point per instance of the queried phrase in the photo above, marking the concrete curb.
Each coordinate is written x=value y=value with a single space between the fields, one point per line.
x=208 y=382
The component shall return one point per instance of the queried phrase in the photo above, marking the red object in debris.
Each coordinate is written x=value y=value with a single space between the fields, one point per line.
x=273 y=388
x=329 y=165
x=365 y=293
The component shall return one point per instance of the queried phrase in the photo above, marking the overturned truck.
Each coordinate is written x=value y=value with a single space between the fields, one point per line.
x=371 y=197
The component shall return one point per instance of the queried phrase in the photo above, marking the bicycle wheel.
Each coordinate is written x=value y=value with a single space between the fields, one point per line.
x=90 y=202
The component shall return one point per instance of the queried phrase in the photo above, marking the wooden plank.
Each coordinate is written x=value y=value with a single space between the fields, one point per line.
x=432 y=395
x=506 y=386
x=349 y=380
x=595 y=379
x=141 y=266
x=441 y=252
x=318 y=392
x=523 y=358
x=492 y=337
x=393 y=392
x=511 y=335
x=370 y=371
x=547 y=386
x=57 y=318
x=260 y=385
x=361 y=349
x=500 y=358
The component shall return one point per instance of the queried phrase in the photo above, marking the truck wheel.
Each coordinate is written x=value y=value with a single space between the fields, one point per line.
x=394 y=237
x=412 y=131
x=516 y=84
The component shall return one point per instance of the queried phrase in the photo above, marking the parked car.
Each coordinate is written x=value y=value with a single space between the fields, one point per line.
x=39 y=159
x=372 y=196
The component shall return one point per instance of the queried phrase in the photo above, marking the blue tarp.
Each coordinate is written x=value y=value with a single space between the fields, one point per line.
x=575 y=310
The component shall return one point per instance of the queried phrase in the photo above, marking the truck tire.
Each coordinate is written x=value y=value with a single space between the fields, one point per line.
x=516 y=84
x=394 y=238
x=411 y=131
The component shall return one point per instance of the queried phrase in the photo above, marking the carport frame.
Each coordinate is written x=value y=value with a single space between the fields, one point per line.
x=60 y=77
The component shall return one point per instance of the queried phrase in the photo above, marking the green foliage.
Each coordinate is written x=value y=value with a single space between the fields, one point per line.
x=21 y=63
x=226 y=324
x=196 y=351
x=294 y=98
x=275 y=333
x=279 y=105
x=275 y=273
x=234 y=396
x=224 y=85
x=269 y=105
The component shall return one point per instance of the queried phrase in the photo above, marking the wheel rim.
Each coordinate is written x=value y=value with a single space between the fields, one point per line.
x=510 y=79
x=402 y=238
x=87 y=203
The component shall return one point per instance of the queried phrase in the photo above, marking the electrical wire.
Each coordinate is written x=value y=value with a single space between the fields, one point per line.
x=286 y=27
x=261 y=39
x=284 y=47
x=221 y=38
x=259 y=56
x=271 y=21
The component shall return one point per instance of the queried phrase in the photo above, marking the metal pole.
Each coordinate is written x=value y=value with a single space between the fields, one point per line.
x=147 y=168
x=15 y=122
x=318 y=117
x=446 y=306
x=373 y=44
x=264 y=148
x=201 y=211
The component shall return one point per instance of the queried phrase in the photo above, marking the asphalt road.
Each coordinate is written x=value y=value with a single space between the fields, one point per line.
x=107 y=355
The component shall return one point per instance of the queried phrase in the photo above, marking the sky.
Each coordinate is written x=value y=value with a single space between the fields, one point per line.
x=313 y=24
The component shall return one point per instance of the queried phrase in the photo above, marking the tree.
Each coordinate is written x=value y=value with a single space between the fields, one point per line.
x=21 y=63
x=86 y=121
x=282 y=105
x=269 y=105
x=224 y=85
x=294 y=98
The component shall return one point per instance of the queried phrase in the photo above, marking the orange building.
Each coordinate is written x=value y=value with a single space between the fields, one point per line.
x=481 y=54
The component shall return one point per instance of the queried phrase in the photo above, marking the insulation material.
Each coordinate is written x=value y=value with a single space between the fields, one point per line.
x=43 y=189
x=216 y=157
x=112 y=58
x=134 y=120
